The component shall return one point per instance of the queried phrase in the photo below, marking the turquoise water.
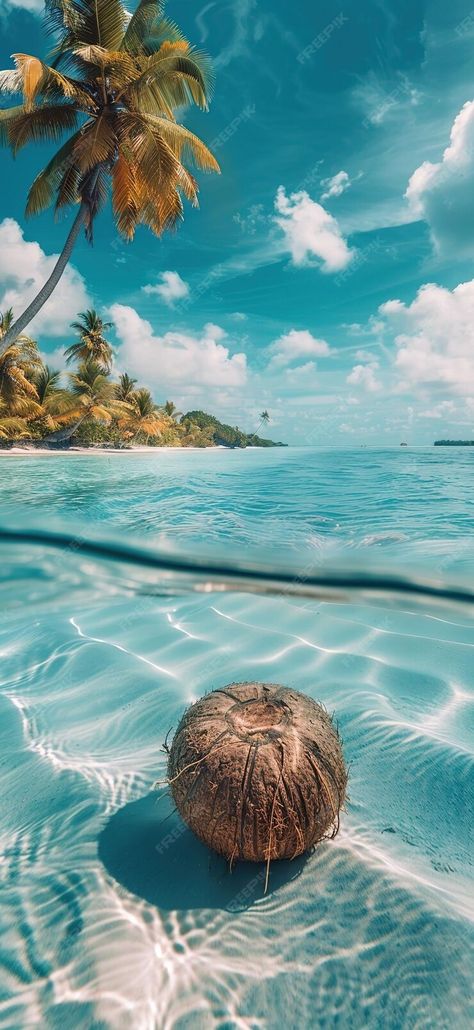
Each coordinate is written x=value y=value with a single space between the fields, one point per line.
x=114 y=916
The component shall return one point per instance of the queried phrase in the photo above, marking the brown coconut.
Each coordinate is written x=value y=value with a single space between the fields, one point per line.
x=257 y=772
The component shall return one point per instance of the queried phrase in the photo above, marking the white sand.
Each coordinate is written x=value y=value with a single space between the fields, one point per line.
x=41 y=452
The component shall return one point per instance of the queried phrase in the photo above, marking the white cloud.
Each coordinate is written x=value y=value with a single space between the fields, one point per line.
x=56 y=359
x=365 y=376
x=381 y=104
x=300 y=373
x=443 y=193
x=170 y=288
x=35 y=6
x=24 y=268
x=336 y=185
x=364 y=355
x=312 y=235
x=298 y=343
x=177 y=358
x=442 y=410
x=434 y=336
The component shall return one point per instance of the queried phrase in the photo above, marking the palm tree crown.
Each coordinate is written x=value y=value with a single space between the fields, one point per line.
x=114 y=85
x=92 y=345
x=264 y=419
x=171 y=410
x=143 y=416
x=19 y=361
x=46 y=382
x=125 y=387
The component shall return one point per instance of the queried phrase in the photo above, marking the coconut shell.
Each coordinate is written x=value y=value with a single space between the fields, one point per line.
x=257 y=772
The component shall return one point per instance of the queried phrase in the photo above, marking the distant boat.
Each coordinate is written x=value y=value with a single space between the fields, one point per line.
x=403 y=445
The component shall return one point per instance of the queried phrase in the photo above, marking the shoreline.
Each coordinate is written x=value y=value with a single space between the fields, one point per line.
x=41 y=452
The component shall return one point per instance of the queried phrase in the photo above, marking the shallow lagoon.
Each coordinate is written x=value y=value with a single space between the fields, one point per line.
x=112 y=914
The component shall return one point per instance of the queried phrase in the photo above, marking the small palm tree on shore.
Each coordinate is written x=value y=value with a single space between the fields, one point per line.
x=125 y=387
x=114 y=85
x=142 y=417
x=170 y=409
x=92 y=344
x=264 y=419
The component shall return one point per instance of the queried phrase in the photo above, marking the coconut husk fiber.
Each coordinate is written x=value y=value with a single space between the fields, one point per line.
x=257 y=772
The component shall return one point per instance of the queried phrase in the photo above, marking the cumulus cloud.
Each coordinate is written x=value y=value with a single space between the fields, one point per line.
x=312 y=235
x=171 y=287
x=443 y=192
x=298 y=343
x=336 y=185
x=443 y=410
x=365 y=376
x=434 y=336
x=301 y=372
x=176 y=358
x=24 y=268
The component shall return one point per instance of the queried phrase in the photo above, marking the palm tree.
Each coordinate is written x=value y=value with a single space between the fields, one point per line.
x=46 y=382
x=12 y=427
x=142 y=418
x=54 y=401
x=19 y=360
x=264 y=419
x=92 y=344
x=114 y=85
x=93 y=396
x=171 y=410
x=125 y=387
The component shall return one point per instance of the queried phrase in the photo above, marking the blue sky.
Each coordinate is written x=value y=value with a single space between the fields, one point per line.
x=328 y=274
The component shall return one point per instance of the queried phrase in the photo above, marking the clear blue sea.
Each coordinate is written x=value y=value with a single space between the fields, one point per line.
x=113 y=915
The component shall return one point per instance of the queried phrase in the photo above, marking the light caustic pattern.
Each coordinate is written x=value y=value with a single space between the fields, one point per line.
x=113 y=915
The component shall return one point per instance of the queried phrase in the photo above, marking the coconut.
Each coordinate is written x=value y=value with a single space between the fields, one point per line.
x=257 y=772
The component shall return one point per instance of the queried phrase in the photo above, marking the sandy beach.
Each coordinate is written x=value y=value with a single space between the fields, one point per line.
x=45 y=452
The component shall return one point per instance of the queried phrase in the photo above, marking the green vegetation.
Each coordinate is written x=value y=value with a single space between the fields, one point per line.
x=114 y=86
x=224 y=435
x=85 y=406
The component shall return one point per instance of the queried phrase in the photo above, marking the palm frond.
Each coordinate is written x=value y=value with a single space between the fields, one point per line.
x=169 y=79
x=99 y=22
x=7 y=115
x=183 y=143
x=43 y=189
x=162 y=31
x=125 y=195
x=41 y=124
x=96 y=143
x=147 y=14
x=12 y=427
x=11 y=81
x=37 y=77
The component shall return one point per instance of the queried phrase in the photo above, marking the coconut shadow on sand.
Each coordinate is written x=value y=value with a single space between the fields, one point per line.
x=149 y=851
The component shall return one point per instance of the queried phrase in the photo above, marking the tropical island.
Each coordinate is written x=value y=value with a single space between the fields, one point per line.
x=41 y=407
x=454 y=443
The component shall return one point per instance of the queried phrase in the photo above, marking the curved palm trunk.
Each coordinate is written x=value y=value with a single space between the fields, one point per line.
x=62 y=435
x=44 y=294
